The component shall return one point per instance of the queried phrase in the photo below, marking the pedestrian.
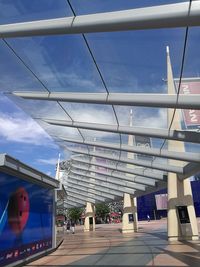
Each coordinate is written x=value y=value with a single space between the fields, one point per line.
x=148 y=217
x=68 y=227
x=73 y=227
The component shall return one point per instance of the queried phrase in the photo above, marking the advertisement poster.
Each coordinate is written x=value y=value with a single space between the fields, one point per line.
x=25 y=219
x=161 y=201
x=191 y=116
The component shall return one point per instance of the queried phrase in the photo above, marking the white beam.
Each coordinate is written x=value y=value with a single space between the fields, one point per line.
x=136 y=171
x=85 y=182
x=138 y=180
x=84 y=195
x=164 y=16
x=187 y=156
x=122 y=99
x=109 y=181
x=90 y=190
x=179 y=135
x=144 y=163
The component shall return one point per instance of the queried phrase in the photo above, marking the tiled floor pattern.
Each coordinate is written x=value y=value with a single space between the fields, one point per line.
x=107 y=246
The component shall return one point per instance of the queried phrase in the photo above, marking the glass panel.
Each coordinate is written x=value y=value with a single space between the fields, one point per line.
x=96 y=6
x=39 y=109
x=135 y=61
x=90 y=113
x=14 y=76
x=13 y=11
x=61 y=62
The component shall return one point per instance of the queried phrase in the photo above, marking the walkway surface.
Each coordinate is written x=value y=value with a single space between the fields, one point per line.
x=107 y=246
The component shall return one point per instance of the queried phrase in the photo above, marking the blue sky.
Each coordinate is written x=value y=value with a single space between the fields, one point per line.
x=129 y=61
x=23 y=139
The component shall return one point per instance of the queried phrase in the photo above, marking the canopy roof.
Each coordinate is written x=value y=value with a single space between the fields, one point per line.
x=94 y=75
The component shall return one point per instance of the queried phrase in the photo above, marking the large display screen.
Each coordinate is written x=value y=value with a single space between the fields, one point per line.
x=26 y=218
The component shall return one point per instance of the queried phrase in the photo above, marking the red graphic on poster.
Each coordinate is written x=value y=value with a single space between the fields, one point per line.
x=18 y=210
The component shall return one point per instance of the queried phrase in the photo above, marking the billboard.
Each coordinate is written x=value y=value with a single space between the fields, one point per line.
x=161 y=201
x=191 y=117
x=143 y=141
x=26 y=219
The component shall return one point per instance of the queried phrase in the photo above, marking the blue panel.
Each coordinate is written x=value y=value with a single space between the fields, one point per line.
x=196 y=196
x=147 y=204
x=26 y=212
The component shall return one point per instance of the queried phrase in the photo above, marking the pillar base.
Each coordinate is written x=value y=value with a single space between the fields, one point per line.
x=182 y=238
x=89 y=230
x=127 y=231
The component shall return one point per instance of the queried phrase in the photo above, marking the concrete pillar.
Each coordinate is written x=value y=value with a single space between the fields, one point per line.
x=179 y=192
x=129 y=219
x=89 y=224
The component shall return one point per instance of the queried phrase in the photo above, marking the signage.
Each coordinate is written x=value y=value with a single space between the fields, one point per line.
x=130 y=217
x=161 y=201
x=183 y=214
x=191 y=116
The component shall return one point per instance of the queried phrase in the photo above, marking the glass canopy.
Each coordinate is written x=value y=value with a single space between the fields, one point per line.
x=105 y=92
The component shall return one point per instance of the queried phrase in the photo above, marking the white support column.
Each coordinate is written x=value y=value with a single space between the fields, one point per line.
x=179 y=191
x=129 y=215
x=89 y=224
x=130 y=218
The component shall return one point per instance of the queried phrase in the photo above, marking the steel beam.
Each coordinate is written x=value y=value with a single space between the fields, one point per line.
x=136 y=171
x=110 y=180
x=80 y=198
x=95 y=187
x=148 y=164
x=189 y=170
x=122 y=99
x=138 y=180
x=74 y=200
x=179 y=135
x=102 y=183
x=186 y=156
x=90 y=191
x=89 y=184
x=69 y=204
x=164 y=16
x=81 y=194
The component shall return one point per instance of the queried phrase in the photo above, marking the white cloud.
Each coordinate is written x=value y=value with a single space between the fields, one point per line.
x=51 y=161
x=157 y=121
x=18 y=128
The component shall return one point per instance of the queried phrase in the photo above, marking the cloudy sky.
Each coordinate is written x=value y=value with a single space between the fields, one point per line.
x=129 y=61
x=22 y=138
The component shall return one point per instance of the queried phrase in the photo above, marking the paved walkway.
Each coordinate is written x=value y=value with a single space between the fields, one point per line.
x=107 y=246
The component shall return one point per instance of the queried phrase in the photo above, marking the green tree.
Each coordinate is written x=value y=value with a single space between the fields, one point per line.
x=75 y=213
x=102 y=210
